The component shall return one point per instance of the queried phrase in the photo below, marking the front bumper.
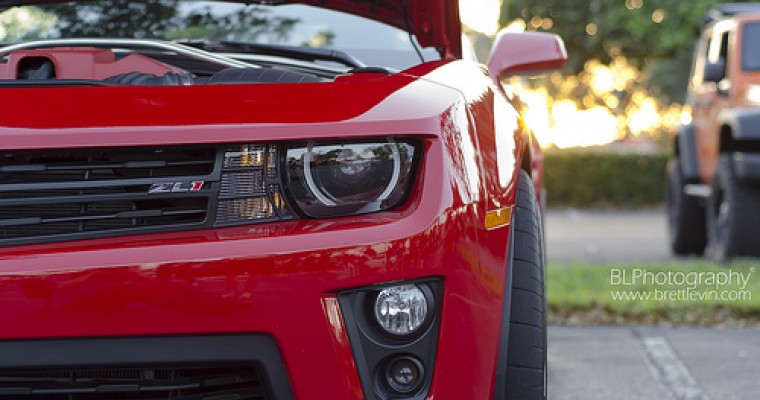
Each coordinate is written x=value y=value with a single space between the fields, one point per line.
x=281 y=280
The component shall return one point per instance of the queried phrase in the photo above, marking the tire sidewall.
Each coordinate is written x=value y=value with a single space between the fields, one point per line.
x=674 y=199
x=720 y=235
x=528 y=261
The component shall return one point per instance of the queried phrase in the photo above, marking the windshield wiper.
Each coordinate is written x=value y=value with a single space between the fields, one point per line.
x=309 y=54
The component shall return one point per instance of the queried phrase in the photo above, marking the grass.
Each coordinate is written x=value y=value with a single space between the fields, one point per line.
x=661 y=294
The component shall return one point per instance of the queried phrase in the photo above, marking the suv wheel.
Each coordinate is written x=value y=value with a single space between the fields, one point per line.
x=686 y=215
x=733 y=214
x=526 y=373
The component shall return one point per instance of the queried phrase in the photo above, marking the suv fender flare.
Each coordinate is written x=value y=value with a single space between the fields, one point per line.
x=744 y=123
x=686 y=151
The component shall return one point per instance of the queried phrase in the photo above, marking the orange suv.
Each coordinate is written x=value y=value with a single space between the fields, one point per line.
x=714 y=176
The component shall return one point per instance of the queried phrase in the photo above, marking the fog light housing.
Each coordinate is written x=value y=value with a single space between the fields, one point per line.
x=402 y=310
x=404 y=374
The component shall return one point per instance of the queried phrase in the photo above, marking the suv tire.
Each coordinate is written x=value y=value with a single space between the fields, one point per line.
x=733 y=216
x=686 y=215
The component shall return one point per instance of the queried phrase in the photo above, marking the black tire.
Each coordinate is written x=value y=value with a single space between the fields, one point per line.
x=526 y=345
x=733 y=214
x=686 y=215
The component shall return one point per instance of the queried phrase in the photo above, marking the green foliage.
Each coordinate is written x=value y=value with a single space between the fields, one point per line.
x=589 y=179
x=165 y=19
x=22 y=23
x=121 y=18
x=625 y=26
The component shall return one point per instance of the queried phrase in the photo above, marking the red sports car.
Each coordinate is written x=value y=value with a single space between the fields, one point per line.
x=315 y=199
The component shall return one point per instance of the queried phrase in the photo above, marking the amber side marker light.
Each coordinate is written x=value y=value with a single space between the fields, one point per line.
x=498 y=218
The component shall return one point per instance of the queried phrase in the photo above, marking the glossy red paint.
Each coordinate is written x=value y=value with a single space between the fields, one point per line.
x=282 y=278
x=277 y=278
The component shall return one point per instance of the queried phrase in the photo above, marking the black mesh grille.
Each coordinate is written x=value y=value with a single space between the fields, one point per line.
x=68 y=194
x=138 y=382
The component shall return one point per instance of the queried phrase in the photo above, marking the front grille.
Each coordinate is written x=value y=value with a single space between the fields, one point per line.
x=242 y=382
x=55 y=195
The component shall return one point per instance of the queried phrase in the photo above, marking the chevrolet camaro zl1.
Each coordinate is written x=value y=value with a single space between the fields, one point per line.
x=315 y=199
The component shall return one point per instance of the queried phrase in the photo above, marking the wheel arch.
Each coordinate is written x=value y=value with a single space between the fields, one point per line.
x=739 y=124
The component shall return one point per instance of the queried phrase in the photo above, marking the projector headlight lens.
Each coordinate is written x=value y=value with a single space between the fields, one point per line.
x=401 y=310
x=335 y=179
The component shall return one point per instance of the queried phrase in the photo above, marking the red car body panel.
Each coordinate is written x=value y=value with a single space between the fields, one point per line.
x=282 y=278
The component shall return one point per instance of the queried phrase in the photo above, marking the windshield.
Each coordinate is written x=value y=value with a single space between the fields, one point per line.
x=372 y=42
x=750 y=53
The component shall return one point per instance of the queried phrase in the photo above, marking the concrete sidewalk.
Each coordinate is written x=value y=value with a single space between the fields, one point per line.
x=649 y=363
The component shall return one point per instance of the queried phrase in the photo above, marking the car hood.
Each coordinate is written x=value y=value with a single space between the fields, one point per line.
x=105 y=116
x=435 y=23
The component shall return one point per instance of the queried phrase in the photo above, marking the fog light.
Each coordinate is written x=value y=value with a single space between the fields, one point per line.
x=404 y=374
x=401 y=310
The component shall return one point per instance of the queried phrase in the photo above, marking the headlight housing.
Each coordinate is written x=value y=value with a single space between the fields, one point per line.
x=328 y=179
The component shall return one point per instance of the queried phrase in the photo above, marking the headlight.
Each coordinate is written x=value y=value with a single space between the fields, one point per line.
x=401 y=310
x=753 y=94
x=333 y=179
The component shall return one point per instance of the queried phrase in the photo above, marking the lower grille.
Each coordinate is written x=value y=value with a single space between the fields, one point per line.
x=176 y=383
x=214 y=367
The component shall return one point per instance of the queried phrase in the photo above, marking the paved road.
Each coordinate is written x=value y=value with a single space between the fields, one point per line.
x=627 y=363
x=606 y=236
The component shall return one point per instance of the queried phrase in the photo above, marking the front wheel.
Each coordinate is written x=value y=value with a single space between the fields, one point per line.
x=526 y=372
x=733 y=214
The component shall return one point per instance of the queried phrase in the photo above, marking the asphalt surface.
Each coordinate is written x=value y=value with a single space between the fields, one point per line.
x=606 y=237
x=647 y=363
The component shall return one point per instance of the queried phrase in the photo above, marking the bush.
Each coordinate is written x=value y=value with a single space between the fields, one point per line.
x=605 y=179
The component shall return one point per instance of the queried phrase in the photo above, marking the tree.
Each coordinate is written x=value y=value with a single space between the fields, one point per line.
x=639 y=29
x=658 y=36
x=166 y=19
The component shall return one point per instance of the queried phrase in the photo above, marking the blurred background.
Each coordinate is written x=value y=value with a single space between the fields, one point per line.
x=626 y=77
x=606 y=124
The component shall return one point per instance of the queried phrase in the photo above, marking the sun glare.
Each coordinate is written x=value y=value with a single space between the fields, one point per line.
x=481 y=15
x=611 y=106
